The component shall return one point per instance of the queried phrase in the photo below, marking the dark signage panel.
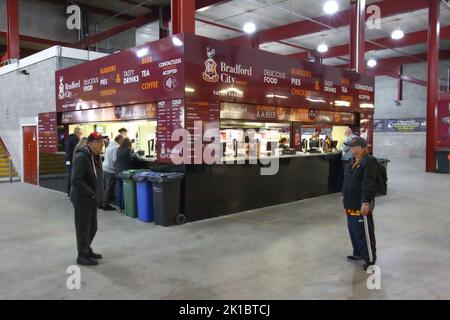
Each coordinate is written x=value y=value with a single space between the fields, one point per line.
x=148 y=73
x=170 y=118
x=217 y=71
x=189 y=77
x=48 y=134
x=121 y=113
x=444 y=124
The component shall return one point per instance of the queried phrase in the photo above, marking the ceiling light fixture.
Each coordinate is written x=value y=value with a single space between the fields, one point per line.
x=322 y=48
x=331 y=7
x=397 y=34
x=249 y=27
x=372 y=63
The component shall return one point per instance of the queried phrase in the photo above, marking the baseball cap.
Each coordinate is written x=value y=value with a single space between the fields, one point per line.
x=95 y=136
x=357 y=142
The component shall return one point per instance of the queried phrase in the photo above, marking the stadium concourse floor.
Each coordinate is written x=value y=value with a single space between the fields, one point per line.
x=291 y=251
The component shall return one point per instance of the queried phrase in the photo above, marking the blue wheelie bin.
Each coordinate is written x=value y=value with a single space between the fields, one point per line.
x=144 y=195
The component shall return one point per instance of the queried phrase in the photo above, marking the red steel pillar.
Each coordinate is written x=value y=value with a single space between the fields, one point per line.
x=433 y=83
x=357 y=35
x=183 y=16
x=12 y=16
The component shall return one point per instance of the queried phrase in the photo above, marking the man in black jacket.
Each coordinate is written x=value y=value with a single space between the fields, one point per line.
x=359 y=198
x=71 y=142
x=86 y=196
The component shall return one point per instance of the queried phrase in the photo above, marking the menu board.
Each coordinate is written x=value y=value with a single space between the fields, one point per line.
x=48 y=134
x=219 y=71
x=120 y=113
x=148 y=73
x=203 y=124
x=170 y=118
x=240 y=111
x=443 y=124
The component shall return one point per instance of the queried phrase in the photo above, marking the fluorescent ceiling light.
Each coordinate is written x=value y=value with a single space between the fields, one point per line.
x=340 y=103
x=316 y=100
x=276 y=96
x=142 y=52
x=177 y=42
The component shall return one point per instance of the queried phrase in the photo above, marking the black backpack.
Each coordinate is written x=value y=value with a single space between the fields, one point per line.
x=381 y=178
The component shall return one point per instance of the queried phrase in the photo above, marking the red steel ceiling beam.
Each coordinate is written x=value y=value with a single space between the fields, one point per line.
x=94 y=9
x=410 y=39
x=396 y=61
x=340 y=19
x=13 y=41
x=433 y=84
x=215 y=24
x=41 y=41
x=135 y=23
x=208 y=4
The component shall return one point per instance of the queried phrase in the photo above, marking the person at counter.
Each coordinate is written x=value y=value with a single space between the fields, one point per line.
x=359 y=190
x=327 y=144
x=72 y=141
x=124 y=161
x=283 y=144
x=123 y=132
x=83 y=142
x=109 y=169
x=86 y=195
x=346 y=153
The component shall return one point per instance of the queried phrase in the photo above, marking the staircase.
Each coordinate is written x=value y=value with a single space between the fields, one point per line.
x=6 y=165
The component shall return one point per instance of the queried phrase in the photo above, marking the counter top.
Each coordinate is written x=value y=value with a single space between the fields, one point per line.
x=297 y=155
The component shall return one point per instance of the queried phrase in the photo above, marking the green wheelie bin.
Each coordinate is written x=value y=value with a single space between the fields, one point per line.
x=129 y=192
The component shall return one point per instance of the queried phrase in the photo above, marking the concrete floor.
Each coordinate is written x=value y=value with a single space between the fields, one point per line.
x=292 y=251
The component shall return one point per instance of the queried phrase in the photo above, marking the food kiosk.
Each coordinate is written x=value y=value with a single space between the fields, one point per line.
x=230 y=102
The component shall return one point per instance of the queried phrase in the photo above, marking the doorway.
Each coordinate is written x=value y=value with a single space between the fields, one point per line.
x=30 y=154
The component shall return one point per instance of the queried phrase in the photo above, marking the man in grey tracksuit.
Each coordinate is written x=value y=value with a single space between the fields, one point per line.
x=109 y=170
x=86 y=195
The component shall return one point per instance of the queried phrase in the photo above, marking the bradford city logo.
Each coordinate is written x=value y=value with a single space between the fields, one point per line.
x=210 y=73
x=61 y=94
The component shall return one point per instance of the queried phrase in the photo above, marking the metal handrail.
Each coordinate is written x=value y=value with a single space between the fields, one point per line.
x=9 y=160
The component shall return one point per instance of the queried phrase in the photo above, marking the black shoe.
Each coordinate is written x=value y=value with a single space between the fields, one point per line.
x=355 y=259
x=83 y=261
x=367 y=265
x=108 y=208
x=94 y=255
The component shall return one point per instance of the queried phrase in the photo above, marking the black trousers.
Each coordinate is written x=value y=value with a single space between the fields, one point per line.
x=85 y=227
x=69 y=182
x=363 y=237
x=110 y=185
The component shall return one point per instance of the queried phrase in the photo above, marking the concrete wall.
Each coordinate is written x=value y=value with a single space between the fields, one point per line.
x=410 y=145
x=23 y=97
x=27 y=96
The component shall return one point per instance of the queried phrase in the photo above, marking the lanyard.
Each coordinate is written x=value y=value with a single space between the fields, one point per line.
x=358 y=162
